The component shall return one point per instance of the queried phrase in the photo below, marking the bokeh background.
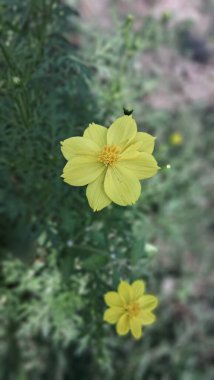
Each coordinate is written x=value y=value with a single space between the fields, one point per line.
x=62 y=66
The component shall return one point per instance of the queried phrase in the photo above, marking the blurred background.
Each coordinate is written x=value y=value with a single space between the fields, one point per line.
x=64 y=65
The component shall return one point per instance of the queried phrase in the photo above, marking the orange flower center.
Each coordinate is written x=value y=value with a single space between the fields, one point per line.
x=109 y=155
x=133 y=309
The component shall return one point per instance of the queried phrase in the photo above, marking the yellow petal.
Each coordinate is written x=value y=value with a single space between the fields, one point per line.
x=123 y=325
x=147 y=317
x=122 y=130
x=82 y=170
x=113 y=299
x=148 y=303
x=138 y=288
x=121 y=186
x=130 y=151
x=96 y=133
x=147 y=142
x=125 y=291
x=77 y=146
x=142 y=165
x=113 y=314
x=136 y=327
x=96 y=195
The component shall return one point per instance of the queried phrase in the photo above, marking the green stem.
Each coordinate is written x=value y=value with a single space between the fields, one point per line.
x=22 y=109
x=8 y=59
x=19 y=99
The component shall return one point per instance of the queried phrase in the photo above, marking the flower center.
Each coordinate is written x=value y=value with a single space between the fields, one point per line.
x=133 y=309
x=109 y=154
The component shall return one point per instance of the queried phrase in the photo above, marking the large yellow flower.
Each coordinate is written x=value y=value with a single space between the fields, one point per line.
x=111 y=161
x=130 y=308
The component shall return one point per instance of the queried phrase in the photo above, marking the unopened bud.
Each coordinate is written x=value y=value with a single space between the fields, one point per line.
x=166 y=16
x=130 y=17
x=150 y=249
x=127 y=110
x=16 y=81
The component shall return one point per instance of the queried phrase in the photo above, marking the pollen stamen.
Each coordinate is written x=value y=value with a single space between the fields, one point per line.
x=109 y=155
x=132 y=309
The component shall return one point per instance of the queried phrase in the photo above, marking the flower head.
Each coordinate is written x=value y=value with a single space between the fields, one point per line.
x=176 y=139
x=130 y=308
x=111 y=161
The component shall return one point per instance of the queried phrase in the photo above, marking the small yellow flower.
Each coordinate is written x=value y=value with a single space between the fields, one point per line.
x=176 y=139
x=111 y=161
x=130 y=308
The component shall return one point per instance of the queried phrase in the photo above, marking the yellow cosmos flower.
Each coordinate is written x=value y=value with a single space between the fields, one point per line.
x=176 y=139
x=130 y=308
x=111 y=161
